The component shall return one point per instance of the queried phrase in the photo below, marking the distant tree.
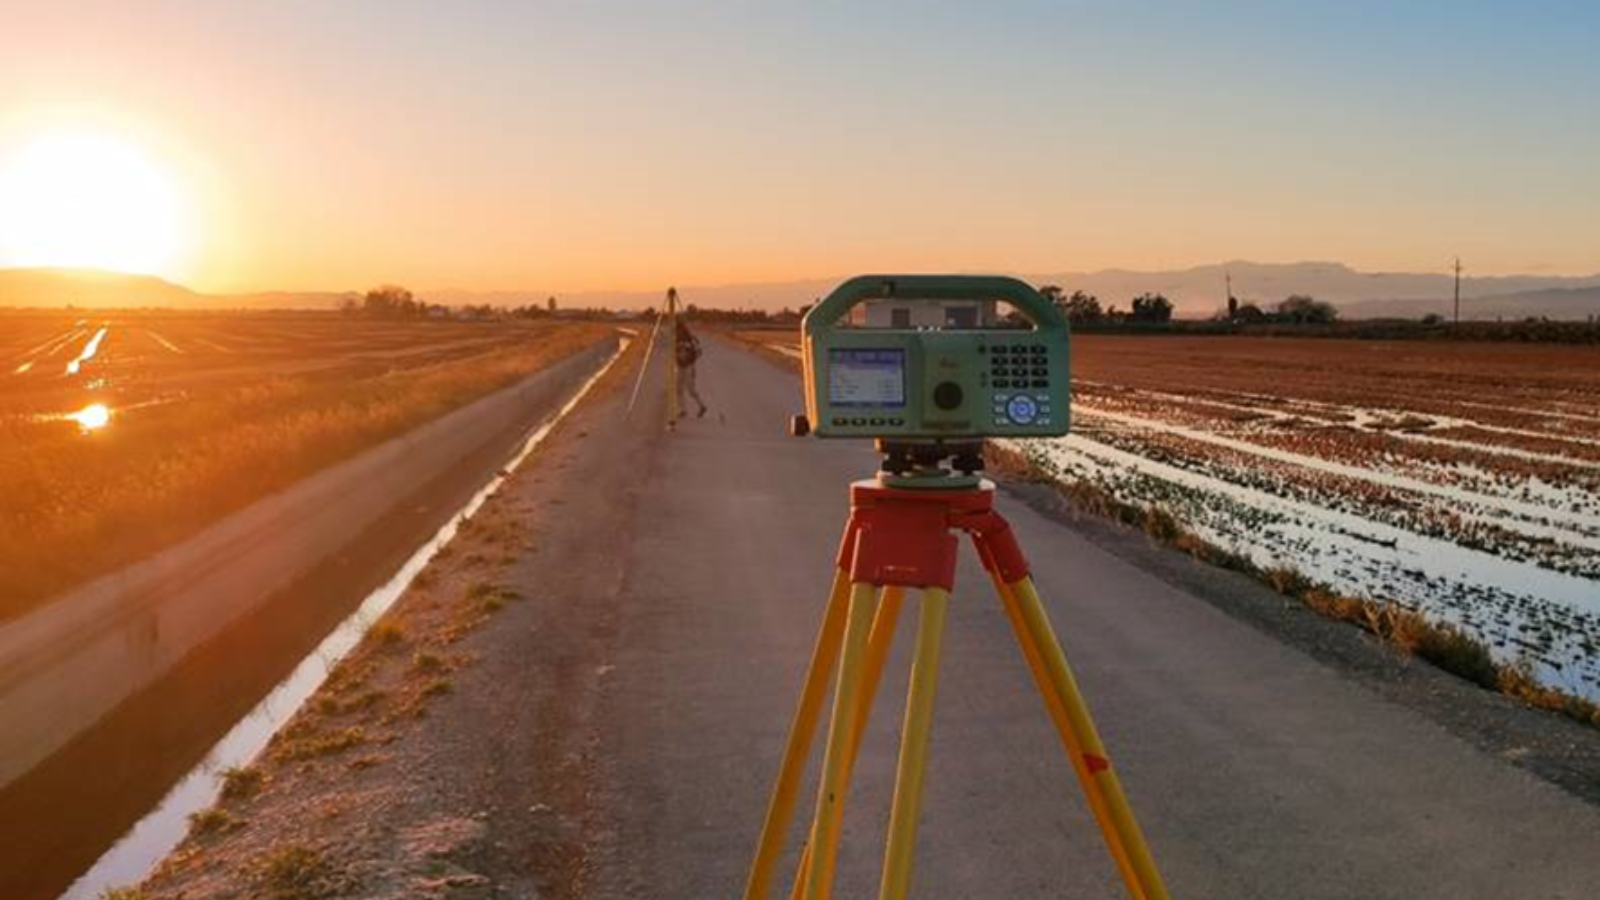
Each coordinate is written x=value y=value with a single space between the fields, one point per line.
x=1152 y=308
x=1082 y=308
x=1249 y=313
x=550 y=304
x=1432 y=319
x=349 y=305
x=1233 y=307
x=1304 y=310
x=390 y=301
x=1051 y=292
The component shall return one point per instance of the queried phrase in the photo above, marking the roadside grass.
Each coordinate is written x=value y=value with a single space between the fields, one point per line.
x=123 y=893
x=388 y=633
x=240 y=782
x=314 y=744
x=1439 y=643
x=298 y=872
x=78 y=507
x=489 y=597
x=213 y=821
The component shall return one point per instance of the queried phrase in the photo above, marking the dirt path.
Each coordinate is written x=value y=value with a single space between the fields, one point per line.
x=612 y=730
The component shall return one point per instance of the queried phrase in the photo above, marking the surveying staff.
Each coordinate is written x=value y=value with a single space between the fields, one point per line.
x=688 y=352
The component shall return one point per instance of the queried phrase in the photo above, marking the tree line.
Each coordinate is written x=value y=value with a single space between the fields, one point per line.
x=1082 y=308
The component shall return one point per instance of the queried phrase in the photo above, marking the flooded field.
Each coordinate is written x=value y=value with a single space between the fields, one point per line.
x=121 y=432
x=1461 y=480
x=56 y=363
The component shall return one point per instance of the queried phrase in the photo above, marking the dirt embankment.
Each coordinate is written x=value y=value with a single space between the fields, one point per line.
x=447 y=756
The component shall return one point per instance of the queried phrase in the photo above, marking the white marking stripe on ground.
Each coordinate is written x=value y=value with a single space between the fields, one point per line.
x=164 y=342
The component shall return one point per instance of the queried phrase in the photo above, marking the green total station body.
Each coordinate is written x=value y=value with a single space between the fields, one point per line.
x=935 y=383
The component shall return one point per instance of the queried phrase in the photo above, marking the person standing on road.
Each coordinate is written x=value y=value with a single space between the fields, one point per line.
x=688 y=353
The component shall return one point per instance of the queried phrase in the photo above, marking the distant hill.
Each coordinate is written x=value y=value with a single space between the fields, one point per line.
x=88 y=288
x=1201 y=290
x=1559 y=304
x=1197 y=292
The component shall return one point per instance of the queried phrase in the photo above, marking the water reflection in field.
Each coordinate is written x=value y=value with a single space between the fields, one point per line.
x=1501 y=539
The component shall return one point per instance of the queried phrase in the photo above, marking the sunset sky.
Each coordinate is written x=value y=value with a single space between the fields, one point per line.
x=599 y=145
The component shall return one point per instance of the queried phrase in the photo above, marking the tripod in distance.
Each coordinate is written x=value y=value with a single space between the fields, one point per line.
x=901 y=535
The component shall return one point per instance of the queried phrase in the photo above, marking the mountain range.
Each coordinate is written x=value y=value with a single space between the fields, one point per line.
x=95 y=289
x=1196 y=292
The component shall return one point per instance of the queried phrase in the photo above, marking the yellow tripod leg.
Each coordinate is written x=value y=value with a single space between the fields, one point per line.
x=818 y=872
x=780 y=809
x=877 y=656
x=914 y=748
x=1146 y=882
x=1058 y=715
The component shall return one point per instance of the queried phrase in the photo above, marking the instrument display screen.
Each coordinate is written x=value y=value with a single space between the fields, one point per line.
x=867 y=377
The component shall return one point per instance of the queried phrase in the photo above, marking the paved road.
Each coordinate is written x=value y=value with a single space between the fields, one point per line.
x=1257 y=771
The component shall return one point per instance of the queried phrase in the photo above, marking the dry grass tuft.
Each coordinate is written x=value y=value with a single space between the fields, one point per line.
x=213 y=821
x=319 y=744
x=388 y=633
x=241 y=782
x=298 y=872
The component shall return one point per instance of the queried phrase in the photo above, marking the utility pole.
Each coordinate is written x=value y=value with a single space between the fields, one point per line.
x=672 y=359
x=1458 y=293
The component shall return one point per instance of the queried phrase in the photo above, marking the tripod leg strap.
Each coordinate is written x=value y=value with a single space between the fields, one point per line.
x=909 y=773
x=780 y=809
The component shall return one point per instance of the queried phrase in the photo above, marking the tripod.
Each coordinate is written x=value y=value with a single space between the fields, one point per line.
x=900 y=535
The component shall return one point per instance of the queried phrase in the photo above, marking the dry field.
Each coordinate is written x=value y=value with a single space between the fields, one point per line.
x=1461 y=480
x=121 y=433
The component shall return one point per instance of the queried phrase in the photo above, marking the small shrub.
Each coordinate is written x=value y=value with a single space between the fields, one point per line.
x=389 y=633
x=1161 y=525
x=131 y=892
x=1453 y=650
x=1518 y=680
x=318 y=745
x=240 y=782
x=428 y=661
x=298 y=872
x=1287 y=580
x=212 y=821
x=438 y=686
x=365 y=762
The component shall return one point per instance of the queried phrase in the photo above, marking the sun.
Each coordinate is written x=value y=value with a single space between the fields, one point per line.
x=90 y=200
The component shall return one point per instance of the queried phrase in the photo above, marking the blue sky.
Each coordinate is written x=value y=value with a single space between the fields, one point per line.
x=604 y=144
